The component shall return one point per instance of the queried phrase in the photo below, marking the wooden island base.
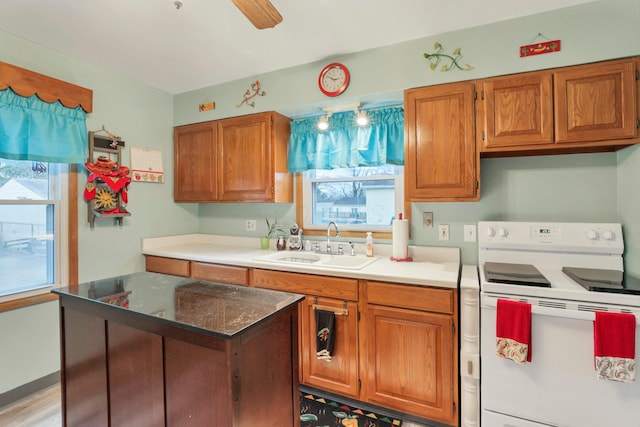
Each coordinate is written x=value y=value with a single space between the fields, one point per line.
x=120 y=368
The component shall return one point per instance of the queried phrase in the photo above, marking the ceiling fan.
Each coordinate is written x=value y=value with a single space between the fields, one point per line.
x=261 y=13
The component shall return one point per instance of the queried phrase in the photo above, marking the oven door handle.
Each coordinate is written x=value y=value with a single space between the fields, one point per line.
x=492 y=302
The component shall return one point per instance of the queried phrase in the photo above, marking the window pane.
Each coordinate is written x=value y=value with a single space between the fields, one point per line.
x=357 y=202
x=26 y=247
x=23 y=180
x=26 y=227
x=365 y=198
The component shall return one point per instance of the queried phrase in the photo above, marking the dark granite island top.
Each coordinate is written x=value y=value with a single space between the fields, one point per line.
x=206 y=307
x=153 y=349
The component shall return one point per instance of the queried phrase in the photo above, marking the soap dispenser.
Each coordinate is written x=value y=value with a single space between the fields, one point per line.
x=369 y=244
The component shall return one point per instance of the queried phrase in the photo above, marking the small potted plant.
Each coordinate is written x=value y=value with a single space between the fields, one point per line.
x=272 y=228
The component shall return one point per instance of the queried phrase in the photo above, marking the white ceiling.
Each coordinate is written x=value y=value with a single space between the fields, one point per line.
x=208 y=42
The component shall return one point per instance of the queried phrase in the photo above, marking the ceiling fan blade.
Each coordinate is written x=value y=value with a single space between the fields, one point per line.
x=261 y=13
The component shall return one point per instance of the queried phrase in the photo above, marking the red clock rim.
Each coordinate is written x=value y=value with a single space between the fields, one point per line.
x=341 y=88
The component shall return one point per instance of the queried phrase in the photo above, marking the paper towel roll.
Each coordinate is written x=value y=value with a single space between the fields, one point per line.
x=400 y=229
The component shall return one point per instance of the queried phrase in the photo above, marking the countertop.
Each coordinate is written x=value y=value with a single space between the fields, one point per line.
x=185 y=302
x=431 y=266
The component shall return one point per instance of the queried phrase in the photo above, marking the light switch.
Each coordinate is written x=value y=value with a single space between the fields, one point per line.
x=469 y=232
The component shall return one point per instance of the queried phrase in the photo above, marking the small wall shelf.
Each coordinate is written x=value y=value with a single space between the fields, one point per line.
x=105 y=198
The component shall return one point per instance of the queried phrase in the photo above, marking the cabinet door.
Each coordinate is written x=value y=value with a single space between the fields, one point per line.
x=441 y=162
x=195 y=163
x=516 y=110
x=340 y=375
x=244 y=158
x=596 y=102
x=409 y=364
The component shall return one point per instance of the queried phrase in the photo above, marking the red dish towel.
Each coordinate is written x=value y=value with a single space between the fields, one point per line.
x=614 y=346
x=513 y=330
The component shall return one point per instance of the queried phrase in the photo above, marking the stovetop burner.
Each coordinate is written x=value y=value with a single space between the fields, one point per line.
x=602 y=280
x=515 y=274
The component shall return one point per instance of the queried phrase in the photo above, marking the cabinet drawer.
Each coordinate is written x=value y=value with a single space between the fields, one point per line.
x=416 y=297
x=307 y=284
x=220 y=273
x=176 y=267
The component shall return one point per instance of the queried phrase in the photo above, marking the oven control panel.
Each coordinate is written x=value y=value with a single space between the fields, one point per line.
x=545 y=233
x=590 y=237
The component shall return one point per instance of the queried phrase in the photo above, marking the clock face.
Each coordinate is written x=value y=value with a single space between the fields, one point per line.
x=334 y=79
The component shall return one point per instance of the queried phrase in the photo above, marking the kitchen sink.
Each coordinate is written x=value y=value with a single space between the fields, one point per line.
x=349 y=262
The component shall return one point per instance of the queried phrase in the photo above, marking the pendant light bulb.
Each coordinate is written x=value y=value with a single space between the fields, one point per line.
x=323 y=123
x=361 y=118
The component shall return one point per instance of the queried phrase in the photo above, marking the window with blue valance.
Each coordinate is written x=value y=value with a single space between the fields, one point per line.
x=31 y=129
x=345 y=144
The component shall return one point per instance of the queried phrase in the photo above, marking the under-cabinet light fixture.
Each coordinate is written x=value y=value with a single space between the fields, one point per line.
x=362 y=119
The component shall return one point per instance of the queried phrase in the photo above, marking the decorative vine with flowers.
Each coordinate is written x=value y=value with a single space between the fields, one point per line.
x=437 y=56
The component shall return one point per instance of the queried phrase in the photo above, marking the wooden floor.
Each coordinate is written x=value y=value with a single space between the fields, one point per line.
x=42 y=409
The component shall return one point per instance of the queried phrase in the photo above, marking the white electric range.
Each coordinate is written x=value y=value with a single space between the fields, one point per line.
x=566 y=271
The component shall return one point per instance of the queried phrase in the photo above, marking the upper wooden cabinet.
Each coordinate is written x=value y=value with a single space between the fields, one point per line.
x=194 y=161
x=233 y=160
x=516 y=110
x=441 y=162
x=585 y=108
x=596 y=102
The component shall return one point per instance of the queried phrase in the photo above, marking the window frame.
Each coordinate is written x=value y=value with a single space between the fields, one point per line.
x=68 y=246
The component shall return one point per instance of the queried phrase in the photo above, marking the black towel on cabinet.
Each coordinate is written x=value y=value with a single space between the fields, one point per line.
x=325 y=333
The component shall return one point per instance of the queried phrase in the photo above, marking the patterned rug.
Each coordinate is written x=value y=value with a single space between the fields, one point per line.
x=316 y=411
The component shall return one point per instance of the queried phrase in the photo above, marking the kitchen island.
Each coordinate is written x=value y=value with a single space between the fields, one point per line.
x=149 y=349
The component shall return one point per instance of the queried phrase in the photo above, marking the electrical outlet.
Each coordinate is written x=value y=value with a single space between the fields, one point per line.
x=469 y=232
x=427 y=219
x=251 y=225
x=443 y=232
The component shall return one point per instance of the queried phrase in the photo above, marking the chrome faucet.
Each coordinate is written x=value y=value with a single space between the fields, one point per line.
x=329 y=235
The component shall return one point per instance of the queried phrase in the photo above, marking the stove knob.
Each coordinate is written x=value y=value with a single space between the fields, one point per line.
x=609 y=235
x=503 y=232
x=491 y=232
x=592 y=235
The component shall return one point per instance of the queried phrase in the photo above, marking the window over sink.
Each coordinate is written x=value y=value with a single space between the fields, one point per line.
x=357 y=199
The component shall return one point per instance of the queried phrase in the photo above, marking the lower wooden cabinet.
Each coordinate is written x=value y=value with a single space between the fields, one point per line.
x=220 y=273
x=175 y=267
x=198 y=270
x=340 y=374
x=396 y=345
x=410 y=361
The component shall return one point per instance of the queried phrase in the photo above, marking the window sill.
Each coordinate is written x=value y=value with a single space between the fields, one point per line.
x=25 y=302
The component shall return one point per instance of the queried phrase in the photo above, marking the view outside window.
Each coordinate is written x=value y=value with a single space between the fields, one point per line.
x=26 y=226
x=356 y=198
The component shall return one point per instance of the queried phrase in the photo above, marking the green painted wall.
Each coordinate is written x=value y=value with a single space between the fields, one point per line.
x=590 y=187
x=143 y=117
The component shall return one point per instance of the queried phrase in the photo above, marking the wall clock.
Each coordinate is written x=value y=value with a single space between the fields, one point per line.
x=333 y=79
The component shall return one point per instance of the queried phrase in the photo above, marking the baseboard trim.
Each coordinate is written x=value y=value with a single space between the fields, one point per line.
x=18 y=393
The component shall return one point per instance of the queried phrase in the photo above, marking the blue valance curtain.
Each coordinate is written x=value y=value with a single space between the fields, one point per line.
x=345 y=144
x=31 y=129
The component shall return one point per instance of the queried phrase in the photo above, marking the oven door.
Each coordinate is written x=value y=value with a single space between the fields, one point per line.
x=559 y=387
